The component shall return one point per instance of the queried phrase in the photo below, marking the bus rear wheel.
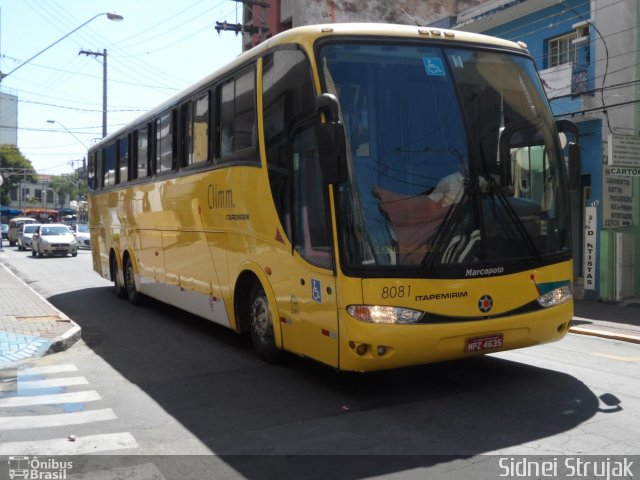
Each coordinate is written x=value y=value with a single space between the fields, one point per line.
x=135 y=297
x=115 y=275
x=261 y=325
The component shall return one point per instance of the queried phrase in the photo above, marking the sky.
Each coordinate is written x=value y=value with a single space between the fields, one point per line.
x=160 y=48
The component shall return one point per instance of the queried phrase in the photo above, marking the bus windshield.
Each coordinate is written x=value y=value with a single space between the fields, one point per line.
x=453 y=155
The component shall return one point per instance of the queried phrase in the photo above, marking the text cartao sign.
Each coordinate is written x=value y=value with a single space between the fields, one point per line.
x=617 y=199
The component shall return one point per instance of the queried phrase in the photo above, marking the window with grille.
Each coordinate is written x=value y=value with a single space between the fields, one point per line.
x=562 y=50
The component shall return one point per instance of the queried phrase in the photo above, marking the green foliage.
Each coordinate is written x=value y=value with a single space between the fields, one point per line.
x=13 y=168
x=68 y=184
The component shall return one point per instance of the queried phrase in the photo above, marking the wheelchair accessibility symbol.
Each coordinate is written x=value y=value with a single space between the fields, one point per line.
x=316 y=291
x=434 y=66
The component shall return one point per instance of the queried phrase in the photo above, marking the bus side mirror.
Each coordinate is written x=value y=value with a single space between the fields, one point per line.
x=331 y=140
x=575 y=159
x=574 y=166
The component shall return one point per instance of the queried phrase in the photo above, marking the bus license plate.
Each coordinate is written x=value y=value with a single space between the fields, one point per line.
x=487 y=342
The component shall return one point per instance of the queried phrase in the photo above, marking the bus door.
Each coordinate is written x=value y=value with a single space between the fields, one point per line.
x=313 y=283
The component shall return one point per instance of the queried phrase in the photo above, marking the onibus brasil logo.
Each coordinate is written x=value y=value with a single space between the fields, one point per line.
x=35 y=469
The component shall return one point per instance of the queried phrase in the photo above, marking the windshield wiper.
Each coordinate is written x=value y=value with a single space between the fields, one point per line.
x=446 y=231
x=513 y=215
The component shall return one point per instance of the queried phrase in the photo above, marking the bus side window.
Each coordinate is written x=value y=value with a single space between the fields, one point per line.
x=287 y=97
x=91 y=171
x=186 y=135
x=226 y=119
x=194 y=119
x=142 y=153
x=311 y=238
x=200 y=148
x=98 y=172
x=123 y=159
x=109 y=166
x=238 y=130
x=245 y=112
x=164 y=142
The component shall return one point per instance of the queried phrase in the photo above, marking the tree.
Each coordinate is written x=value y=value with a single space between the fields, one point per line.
x=14 y=167
x=67 y=184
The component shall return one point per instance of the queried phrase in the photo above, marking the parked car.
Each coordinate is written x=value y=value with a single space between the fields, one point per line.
x=54 y=239
x=15 y=226
x=82 y=233
x=5 y=231
x=26 y=234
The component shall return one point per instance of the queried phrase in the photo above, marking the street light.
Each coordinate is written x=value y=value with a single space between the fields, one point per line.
x=111 y=16
x=69 y=132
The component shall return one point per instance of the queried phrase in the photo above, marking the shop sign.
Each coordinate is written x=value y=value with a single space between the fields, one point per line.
x=624 y=151
x=617 y=200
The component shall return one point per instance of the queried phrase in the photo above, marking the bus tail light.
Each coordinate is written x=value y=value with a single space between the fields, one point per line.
x=384 y=314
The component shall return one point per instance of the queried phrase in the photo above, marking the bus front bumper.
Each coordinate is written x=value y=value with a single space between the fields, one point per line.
x=368 y=347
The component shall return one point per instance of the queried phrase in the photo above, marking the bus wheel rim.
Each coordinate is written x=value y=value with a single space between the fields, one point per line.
x=129 y=279
x=261 y=318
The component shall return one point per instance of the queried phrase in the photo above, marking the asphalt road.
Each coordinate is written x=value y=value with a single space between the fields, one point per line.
x=153 y=380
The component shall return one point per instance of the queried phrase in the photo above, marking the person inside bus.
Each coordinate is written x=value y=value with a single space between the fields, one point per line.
x=414 y=219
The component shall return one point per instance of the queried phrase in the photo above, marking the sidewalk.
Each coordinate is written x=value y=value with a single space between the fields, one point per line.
x=614 y=320
x=29 y=325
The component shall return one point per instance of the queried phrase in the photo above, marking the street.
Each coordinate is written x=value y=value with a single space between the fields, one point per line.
x=152 y=380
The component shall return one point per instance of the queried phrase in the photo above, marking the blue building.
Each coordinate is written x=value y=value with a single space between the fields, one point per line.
x=588 y=55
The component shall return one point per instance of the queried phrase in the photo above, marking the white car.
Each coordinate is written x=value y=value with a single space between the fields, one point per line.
x=26 y=234
x=82 y=233
x=54 y=239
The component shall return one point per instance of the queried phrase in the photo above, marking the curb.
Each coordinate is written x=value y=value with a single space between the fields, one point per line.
x=602 y=334
x=66 y=340
x=60 y=338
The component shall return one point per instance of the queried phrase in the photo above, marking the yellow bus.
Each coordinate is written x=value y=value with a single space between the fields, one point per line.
x=368 y=196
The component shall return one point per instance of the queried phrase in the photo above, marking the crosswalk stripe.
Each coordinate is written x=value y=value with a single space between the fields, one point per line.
x=56 y=420
x=53 y=399
x=62 y=446
x=47 y=370
x=145 y=471
x=48 y=383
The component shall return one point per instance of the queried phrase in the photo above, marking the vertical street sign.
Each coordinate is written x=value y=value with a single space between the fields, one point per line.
x=590 y=243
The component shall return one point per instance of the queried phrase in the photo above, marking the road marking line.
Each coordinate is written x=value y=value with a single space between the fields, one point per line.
x=62 y=446
x=56 y=420
x=44 y=370
x=48 y=383
x=72 y=397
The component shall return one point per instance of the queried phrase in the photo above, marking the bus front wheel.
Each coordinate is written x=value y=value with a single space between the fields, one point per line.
x=261 y=322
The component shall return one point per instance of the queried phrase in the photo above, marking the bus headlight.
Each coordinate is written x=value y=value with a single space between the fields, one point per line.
x=382 y=314
x=555 y=297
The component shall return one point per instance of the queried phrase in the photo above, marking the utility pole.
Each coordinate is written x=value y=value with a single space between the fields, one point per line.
x=251 y=29
x=102 y=54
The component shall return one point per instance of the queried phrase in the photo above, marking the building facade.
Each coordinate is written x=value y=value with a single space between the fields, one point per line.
x=270 y=17
x=588 y=57
x=8 y=118
x=37 y=197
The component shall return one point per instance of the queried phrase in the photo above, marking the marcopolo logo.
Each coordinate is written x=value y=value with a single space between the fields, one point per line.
x=483 y=272
x=37 y=469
